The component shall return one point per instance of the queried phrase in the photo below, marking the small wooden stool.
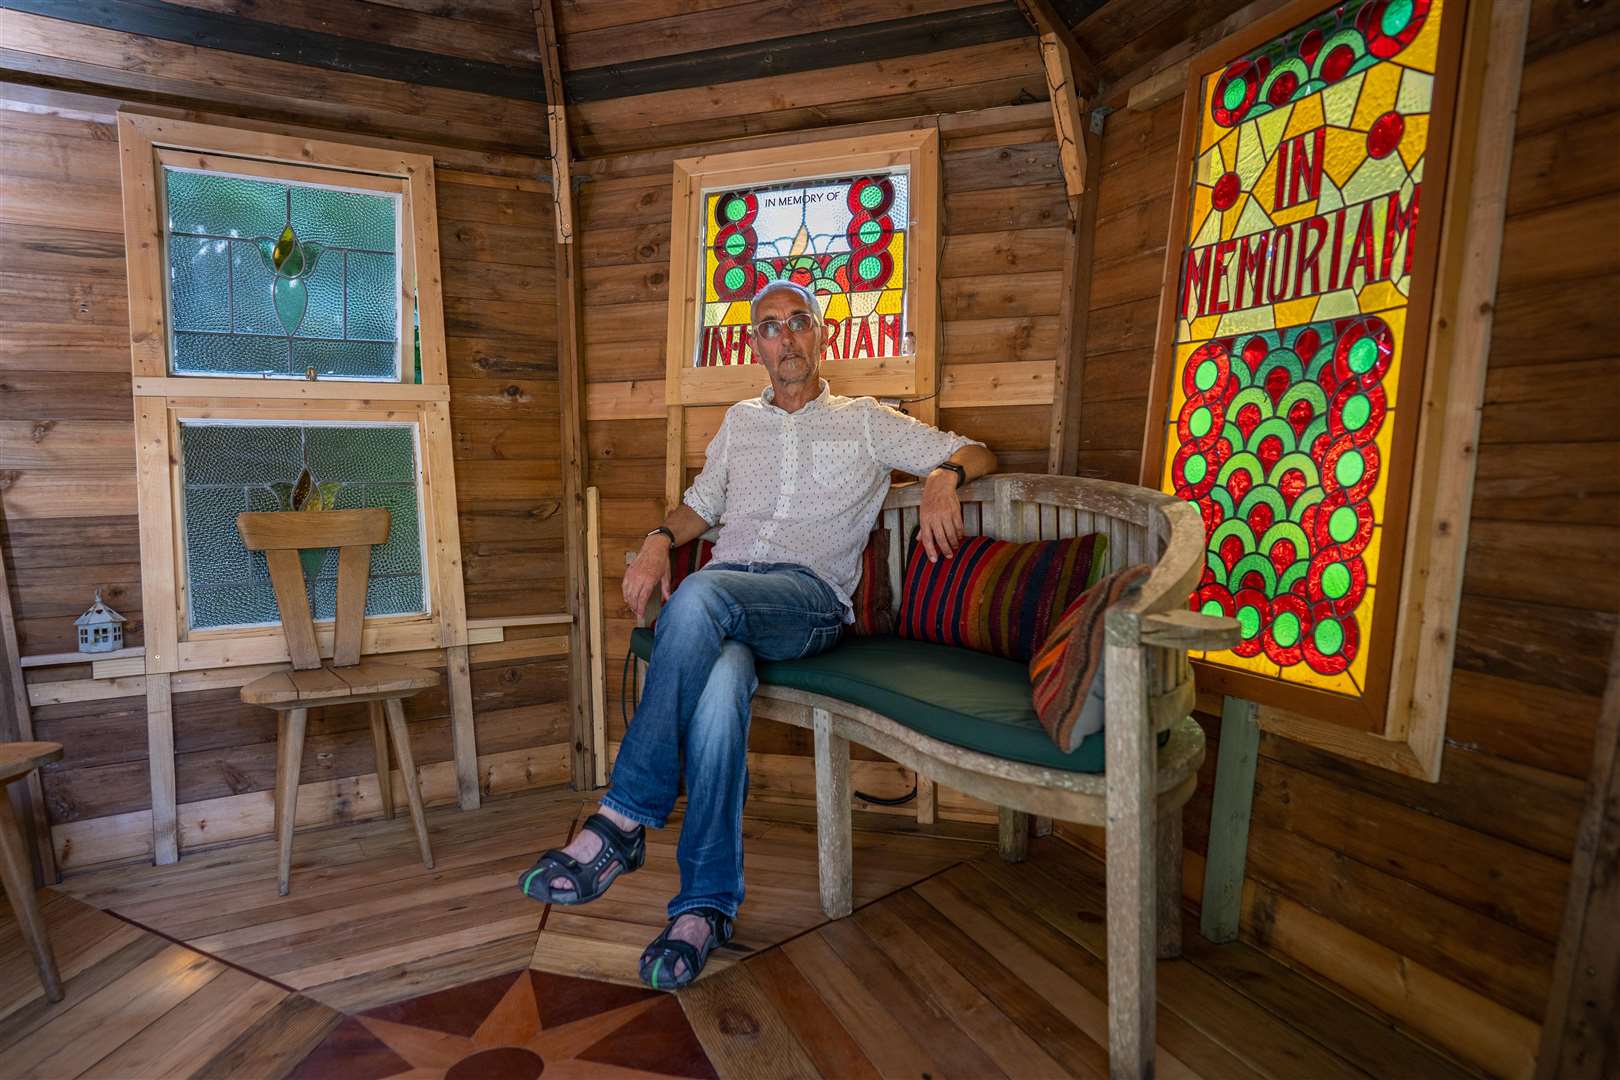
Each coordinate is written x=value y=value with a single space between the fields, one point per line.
x=18 y=759
x=309 y=685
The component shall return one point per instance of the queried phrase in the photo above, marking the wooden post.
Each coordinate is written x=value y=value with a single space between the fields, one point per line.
x=571 y=398
x=31 y=804
x=927 y=800
x=1132 y=914
x=1012 y=834
x=463 y=735
x=1581 y=1036
x=1070 y=77
x=1229 y=820
x=597 y=745
x=834 y=852
x=674 y=456
x=160 y=765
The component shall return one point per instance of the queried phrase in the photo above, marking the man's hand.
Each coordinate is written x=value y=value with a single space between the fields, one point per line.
x=939 y=518
x=650 y=570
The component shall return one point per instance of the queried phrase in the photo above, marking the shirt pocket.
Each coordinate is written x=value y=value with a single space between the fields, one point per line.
x=832 y=461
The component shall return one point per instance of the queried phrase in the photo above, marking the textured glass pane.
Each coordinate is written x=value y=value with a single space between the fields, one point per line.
x=199 y=284
x=347 y=219
x=224 y=205
x=217 y=354
x=241 y=604
x=351 y=455
x=351 y=359
x=288 y=277
x=227 y=468
x=324 y=316
x=373 y=297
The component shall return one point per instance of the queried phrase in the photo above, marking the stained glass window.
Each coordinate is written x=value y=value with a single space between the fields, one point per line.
x=229 y=468
x=844 y=239
x=1291 y=333
x=272 y=278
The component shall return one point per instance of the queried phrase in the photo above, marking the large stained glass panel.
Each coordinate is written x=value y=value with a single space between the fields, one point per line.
x=844 y=239
x=1286 y=418
x=229 y=468
x=273 y=278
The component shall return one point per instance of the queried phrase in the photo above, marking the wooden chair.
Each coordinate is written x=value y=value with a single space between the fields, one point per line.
x=17 y=760
x=347 y=678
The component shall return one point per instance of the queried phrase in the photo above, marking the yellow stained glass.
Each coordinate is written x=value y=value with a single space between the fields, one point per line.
x=1291 y=305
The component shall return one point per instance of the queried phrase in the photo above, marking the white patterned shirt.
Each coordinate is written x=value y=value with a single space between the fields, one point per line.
x=806 y=487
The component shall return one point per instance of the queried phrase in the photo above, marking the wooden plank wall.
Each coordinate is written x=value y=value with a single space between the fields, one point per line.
x=1440 y=903
x=1004 y=231
x=66 y=447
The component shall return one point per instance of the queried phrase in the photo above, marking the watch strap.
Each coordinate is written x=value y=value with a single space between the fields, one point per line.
x=665 y=529
x=961 y=473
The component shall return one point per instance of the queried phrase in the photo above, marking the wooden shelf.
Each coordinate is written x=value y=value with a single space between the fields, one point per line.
x=58 y=659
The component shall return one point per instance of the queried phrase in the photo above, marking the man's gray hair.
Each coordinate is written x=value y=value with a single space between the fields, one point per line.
x=783 y=285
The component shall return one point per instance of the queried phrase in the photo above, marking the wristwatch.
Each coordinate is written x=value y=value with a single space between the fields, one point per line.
x=961 y=473
x=665 y=529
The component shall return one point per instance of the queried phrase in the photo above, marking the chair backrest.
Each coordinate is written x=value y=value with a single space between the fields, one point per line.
x=281 y=536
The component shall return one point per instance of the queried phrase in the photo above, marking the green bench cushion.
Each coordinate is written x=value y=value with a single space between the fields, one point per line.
x=965 y=698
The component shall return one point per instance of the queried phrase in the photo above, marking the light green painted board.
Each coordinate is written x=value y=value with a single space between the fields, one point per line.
x=1229 y=820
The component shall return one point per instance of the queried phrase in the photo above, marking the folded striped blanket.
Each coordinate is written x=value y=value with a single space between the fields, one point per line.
x=1065 y=673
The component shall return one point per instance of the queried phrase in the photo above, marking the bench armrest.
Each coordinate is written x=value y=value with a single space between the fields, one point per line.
x=1189 y=630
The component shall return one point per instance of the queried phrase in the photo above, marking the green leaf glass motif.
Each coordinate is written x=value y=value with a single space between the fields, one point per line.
x=323 y=291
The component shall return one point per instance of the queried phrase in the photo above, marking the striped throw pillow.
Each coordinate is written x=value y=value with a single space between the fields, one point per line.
x=995 y=596
x=1065 y=675
x=873 y=600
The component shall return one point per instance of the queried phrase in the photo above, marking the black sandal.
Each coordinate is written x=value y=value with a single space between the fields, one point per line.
x=623 y=851
x=665 y=950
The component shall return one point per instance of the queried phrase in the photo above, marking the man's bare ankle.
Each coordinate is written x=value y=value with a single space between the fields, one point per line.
x=617 y=818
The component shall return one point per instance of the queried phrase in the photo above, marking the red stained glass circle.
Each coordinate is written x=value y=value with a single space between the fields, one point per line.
x=1337 y=62
x=1282 y=88
x=1385 y=134
x=1227 y=190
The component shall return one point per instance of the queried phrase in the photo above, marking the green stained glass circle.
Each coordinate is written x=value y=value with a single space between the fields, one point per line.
x=870 y=267
x=871 y=195
x=1357 y=410
x=1363 y=355
x=735 y=245
x=1212 y=607
x=1207 y=373
x=1350 y=469
x=735 y=209
x=735 y=277
x=1396 y=16
x=870 y=231
x=1335 y=580
x=1199 y=423
x=1342 y=524
x=1329 y=637
x=1235 y=91
x=1195 y=469
x=1248 y=621
x=1286 y=629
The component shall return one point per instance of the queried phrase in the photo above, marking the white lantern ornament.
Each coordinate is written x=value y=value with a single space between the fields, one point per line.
x=101 y=629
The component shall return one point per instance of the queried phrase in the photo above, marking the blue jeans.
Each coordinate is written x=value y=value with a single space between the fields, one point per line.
x=696 y=705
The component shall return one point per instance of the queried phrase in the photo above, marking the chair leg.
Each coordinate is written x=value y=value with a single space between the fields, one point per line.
x=1014 y=834
x=407 y=766
x=1132 y=916
x=834 y=853
x=379 y=742
x=18 y=880
x=289 y=759
x=1167 y=880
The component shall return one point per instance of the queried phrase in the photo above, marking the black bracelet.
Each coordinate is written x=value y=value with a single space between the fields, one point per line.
x=961 y=473
x=665 y=529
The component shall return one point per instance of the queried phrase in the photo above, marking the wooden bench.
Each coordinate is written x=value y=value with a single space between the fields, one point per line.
x=1152 y=743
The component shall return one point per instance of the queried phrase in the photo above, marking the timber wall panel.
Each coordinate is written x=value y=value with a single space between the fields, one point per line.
x=1004 y=230
x=67 y=483
x=1462 y=880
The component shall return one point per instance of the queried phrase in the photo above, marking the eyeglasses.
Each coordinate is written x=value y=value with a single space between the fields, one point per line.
x=771 y=329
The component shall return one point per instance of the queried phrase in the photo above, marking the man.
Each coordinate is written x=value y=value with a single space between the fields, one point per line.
x=795 y=479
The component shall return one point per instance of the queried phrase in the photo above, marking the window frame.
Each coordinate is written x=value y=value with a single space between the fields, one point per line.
x=913 y=376
x=163 y=400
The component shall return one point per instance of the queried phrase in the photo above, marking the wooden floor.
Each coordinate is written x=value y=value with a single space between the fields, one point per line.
x=954 y=964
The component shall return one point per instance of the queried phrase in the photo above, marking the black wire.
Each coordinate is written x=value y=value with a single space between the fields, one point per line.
x=901 y=801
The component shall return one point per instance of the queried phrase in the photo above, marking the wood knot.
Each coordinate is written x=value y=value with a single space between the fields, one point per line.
x=513 y=392
x=739 y=1024
x=41 y=429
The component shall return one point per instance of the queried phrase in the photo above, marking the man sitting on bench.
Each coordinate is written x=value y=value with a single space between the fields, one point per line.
x=795 y=479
